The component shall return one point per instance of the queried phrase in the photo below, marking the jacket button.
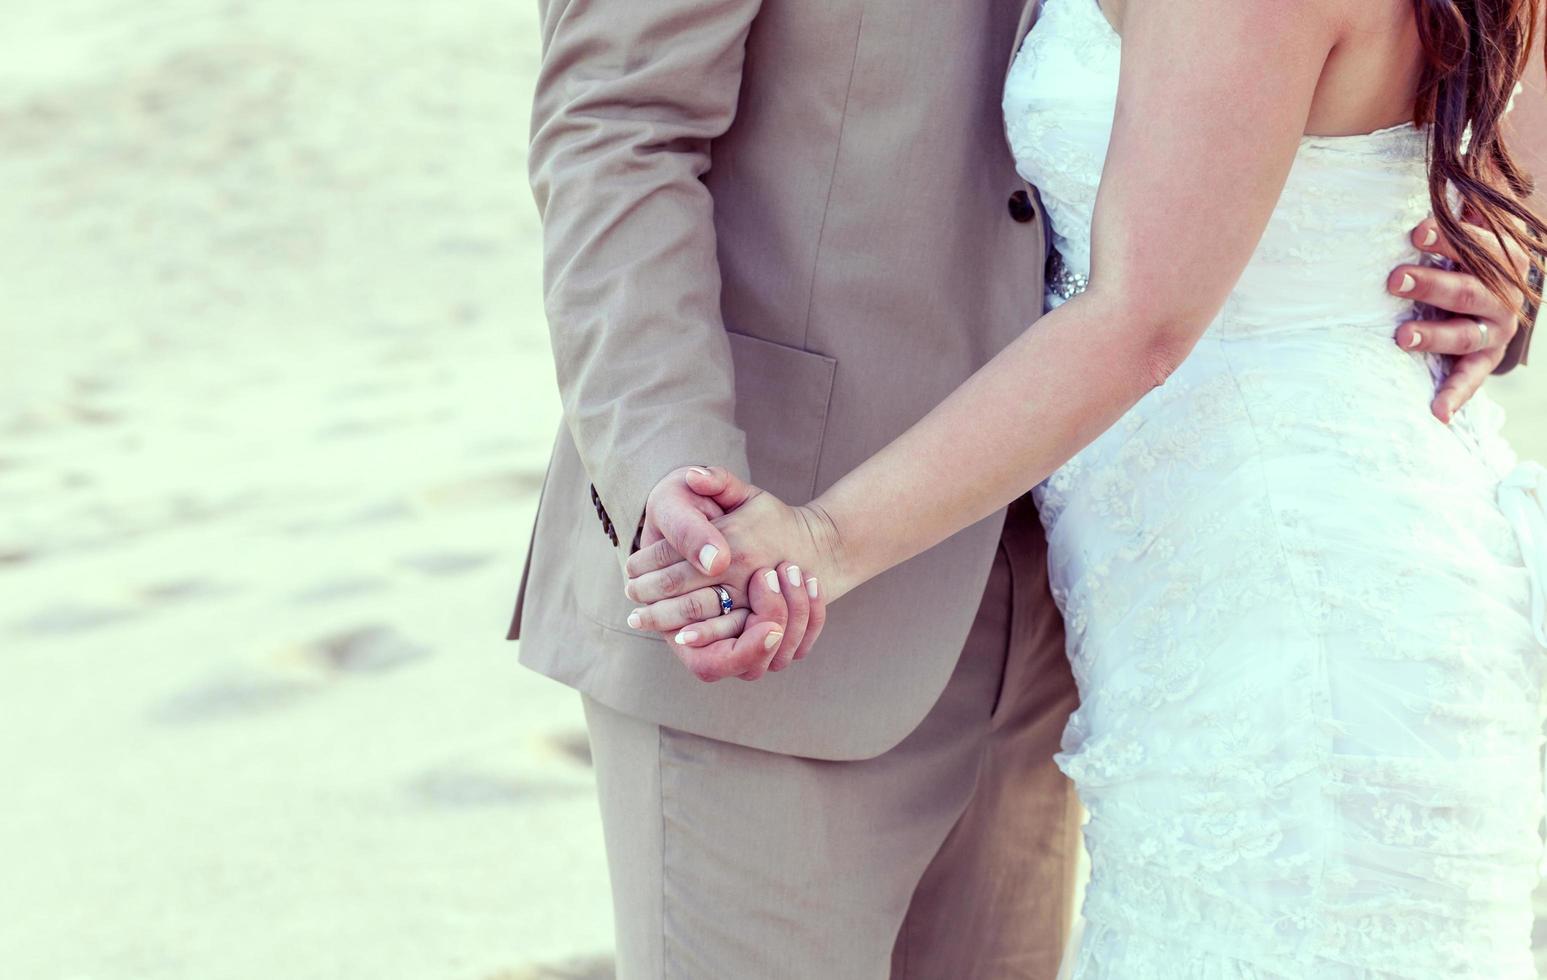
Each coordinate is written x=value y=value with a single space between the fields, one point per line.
x=1021 y=208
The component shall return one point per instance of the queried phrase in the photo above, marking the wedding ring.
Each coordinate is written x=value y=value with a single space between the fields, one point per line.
x=725 y=599
x=1482 y=335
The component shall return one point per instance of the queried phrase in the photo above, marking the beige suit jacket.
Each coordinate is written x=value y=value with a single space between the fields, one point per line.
x=777 y=233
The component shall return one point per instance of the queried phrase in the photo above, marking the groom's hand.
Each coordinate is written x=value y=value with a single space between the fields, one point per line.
x=683 y=518
x=1480 y=325
x=775 y=617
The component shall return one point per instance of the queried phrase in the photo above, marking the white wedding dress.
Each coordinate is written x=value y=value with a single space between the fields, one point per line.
x=1299 y=608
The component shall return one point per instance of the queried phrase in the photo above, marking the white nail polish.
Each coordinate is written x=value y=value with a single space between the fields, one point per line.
x=706 y=556
x=634 y=620
x=1430 y=237
x=1414 y=340
x=700 y=471
x=793 y=573
x=811 y=589
x=772 y=642
x=685 y=637
x=771 y=580
x=1407 y=284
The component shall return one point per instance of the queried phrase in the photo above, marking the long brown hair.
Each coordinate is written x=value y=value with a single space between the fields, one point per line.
x=1477 y=52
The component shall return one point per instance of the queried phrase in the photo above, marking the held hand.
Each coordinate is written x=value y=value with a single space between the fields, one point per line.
x=743 y=644
x=766 y=538
x=678 y=516
x=1482 y=325
x=682 y=517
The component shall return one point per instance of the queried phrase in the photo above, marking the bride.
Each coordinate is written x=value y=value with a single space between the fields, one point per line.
x=1305 y=608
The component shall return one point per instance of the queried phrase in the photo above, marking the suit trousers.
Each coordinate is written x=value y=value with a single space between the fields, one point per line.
x=951 y=855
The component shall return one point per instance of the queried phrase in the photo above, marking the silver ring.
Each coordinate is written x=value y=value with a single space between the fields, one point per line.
x=725 y=599
x=1482 y=335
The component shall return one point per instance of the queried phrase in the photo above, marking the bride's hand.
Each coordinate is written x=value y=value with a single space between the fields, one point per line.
x=792 y=546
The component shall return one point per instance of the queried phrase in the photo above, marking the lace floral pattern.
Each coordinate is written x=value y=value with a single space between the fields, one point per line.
x=1311 y=698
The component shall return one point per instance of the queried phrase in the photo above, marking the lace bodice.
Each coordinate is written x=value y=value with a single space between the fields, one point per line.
x=1340 y=226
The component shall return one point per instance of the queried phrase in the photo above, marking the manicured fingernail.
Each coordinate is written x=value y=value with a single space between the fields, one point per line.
x=686 y=637
x=633 y=620
x=706 y=556
x=771 y=579
x=700 y=471
x=1407 y=284
x=811 y=589
x=793 y=574
x=1414 y=340
x=772 y=643
x=628 y=591
x=1430 y=237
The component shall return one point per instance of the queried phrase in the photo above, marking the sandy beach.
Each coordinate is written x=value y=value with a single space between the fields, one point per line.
x=277 y=402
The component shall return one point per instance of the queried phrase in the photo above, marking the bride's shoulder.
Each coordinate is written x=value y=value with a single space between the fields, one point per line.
x=1372 y=15
x=1247 y=20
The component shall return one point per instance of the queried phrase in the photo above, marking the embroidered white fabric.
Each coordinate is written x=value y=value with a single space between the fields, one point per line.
x=1298 y=607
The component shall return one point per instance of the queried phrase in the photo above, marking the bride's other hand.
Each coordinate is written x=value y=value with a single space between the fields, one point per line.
x=786 y=615
x=1481 y=328
x=715 y=645
x=743 y=644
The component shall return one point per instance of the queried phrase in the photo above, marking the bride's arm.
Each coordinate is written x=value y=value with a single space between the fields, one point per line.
x=1213 y=99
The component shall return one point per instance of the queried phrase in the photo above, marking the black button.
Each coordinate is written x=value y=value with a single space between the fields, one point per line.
x=1021 y=208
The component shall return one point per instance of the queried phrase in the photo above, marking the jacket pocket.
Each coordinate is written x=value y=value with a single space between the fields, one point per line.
x=782 y=398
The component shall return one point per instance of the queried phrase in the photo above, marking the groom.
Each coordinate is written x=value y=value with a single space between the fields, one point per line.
x=777 y=233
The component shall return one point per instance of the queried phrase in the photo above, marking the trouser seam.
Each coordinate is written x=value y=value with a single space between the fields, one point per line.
x=985 y=748
x=660 y=789
x=1012 y=620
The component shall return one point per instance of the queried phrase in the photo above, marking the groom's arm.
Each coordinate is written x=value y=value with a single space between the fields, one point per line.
x=1459 y=299
x=630 y=96
x=1462 y=296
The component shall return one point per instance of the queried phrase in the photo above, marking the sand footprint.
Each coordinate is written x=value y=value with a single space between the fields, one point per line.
x=344 y=588
x=588 y=968
x=229 y=697
x=180 y=590
x=572 y=746
x=489 y=488
x=73 y=618
x=438 y=563
x=365 y=650
x=377 y=512
x=470 y=788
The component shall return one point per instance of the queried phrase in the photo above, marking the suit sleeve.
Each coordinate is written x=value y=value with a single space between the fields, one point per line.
x=630 y=97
